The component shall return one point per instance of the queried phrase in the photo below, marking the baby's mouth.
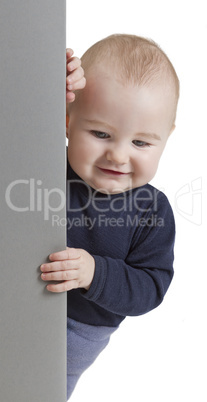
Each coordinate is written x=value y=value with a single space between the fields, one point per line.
x=112 y=172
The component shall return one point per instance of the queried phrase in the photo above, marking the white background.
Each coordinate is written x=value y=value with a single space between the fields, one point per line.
x=162 y=355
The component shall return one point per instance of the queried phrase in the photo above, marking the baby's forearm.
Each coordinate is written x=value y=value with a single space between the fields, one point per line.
x=126 y=290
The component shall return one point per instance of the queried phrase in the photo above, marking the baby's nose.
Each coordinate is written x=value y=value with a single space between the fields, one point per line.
x=118 y=155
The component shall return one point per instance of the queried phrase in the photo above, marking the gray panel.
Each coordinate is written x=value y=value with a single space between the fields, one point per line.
x=32 y=183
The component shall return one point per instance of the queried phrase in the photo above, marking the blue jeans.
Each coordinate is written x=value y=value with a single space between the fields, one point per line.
x=84 y=344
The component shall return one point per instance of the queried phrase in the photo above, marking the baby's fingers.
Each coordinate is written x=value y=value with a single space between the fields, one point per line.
x=59 y=266
x=68 y=254
x=70 y=97
x=63 y=287
x=73 y=63
x=69 y=53
x=60 y=276
x=76 y=75
x=77 y=85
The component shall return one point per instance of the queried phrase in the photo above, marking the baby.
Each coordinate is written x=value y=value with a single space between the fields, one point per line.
x=120 y=234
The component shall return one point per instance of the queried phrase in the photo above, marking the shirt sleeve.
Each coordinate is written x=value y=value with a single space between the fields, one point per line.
x=138 y=284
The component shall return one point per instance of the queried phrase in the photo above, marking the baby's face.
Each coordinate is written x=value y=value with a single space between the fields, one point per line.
x=117 y=132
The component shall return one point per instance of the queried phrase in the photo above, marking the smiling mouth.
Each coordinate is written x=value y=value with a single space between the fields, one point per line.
x=112 y=172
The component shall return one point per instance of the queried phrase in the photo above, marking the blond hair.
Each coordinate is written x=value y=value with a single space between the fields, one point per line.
x=138 y=59
x=135 y=59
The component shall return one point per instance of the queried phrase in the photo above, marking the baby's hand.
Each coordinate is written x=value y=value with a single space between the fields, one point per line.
x=75 y=76
x=74 y=267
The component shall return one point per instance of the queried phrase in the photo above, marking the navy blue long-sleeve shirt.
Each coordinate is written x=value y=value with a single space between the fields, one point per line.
x=131 y=236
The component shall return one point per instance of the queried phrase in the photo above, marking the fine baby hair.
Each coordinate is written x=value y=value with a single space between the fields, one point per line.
x=135 y=60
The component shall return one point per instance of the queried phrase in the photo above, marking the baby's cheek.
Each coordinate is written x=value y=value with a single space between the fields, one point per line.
x=145 y=170
x=152 y=168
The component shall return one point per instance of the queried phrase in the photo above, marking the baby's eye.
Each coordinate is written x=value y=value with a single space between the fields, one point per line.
x=100 y=134
x=140 y=144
